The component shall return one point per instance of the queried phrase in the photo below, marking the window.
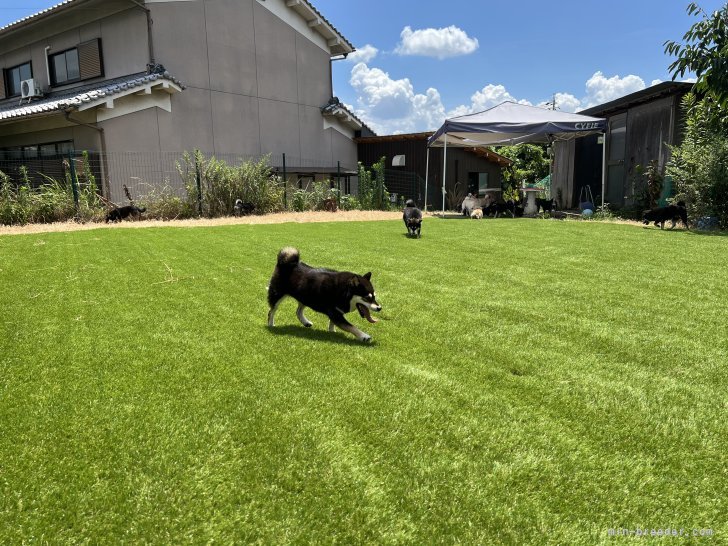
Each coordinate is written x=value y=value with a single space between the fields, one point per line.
x=16 y=75
x=64 y=67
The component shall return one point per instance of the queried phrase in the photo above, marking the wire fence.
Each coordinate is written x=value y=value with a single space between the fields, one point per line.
x=146 y=173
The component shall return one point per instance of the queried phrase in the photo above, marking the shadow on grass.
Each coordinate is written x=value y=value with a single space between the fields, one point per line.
x=317 y=335
x=709 y=233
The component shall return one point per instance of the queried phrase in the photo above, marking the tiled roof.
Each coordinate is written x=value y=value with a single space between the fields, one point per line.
x=336 y=108
x=34 y=15
x=78 y=96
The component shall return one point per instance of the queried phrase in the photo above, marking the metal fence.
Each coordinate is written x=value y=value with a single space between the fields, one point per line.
x=149 y=173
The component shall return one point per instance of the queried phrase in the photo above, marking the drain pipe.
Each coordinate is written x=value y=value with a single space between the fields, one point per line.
x=148 y=12
x=106 y=190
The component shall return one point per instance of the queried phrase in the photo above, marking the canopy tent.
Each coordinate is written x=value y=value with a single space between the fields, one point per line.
x=507 y=124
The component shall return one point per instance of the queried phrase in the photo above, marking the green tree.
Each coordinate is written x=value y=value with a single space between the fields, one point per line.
x=530 y=164
x=705 y=53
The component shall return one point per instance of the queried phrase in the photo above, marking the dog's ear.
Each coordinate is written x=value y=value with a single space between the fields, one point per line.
x=367 y=276
x=354 y=281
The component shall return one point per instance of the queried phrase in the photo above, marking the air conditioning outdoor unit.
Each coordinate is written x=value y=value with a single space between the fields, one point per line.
x=30 y=89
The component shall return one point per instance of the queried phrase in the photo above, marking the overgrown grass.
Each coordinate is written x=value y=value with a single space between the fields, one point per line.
x=530 y=382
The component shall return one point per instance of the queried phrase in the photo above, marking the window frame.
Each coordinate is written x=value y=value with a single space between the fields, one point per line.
x=9 y=79
x=52 y=67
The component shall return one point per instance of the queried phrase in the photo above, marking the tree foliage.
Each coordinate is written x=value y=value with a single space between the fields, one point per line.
x=705 y=53
x=530 y=164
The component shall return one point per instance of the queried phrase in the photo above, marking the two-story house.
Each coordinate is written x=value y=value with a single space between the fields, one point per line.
x=137 y=80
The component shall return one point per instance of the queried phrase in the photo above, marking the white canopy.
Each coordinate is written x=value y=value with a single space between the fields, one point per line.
x=507 y=124
x=512 y=123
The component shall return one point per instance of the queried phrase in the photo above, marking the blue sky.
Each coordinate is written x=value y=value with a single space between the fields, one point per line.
x=420 y=61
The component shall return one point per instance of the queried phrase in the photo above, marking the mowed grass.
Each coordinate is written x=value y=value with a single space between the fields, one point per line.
x=529 y=382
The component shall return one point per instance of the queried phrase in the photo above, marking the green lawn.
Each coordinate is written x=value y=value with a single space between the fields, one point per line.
x=530 y=382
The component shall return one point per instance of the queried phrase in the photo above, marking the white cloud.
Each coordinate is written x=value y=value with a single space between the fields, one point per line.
x=363 y=54
x=600 y=89
x=440 y=43
x=391 y=106
x=655 y=82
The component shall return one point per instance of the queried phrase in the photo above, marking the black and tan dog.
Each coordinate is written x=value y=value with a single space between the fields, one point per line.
x=333 y=293
x=662 y=214
x=412 y=217
x=121 y=213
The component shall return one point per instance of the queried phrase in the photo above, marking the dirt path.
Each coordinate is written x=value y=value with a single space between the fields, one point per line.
x=279 y=218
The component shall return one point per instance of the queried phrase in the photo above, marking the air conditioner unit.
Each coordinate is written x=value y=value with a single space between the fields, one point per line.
x=30 y=89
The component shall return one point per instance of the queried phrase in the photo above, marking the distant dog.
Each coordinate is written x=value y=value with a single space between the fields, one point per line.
x=546 y=204
x=243 y=209
x=333 y=293
x=477 y=213
x=120 y=213
x=412 y=217
x=671 y=212
x=501 y=208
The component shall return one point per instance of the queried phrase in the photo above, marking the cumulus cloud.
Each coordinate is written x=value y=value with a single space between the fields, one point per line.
x=440 y=43
x=363 y=54
x=600 y=89
x=391 y=106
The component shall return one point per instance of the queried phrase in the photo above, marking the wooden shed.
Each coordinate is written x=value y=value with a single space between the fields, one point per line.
x=640 y=128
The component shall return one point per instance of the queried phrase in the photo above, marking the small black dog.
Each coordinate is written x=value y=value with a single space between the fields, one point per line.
x=120 y=213
x=501 y=208
x=671 y=212
x=546 y=204
x=333 y=293
x=242 y=209
x=412 y=217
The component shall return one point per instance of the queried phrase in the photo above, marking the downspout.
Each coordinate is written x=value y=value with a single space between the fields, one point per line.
x=104 y=162
x=152 y=61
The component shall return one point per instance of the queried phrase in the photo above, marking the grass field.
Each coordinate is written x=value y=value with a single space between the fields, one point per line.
x=529 y=382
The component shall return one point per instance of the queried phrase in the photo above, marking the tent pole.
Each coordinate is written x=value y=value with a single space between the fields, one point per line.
x=427 y=173
x=604 y=165
x=444 y=172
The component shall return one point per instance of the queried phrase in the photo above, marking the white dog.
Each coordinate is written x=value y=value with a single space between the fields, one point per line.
x=471 y=202
x=477 y=213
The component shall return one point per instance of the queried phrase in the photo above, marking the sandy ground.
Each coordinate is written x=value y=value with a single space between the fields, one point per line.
x=279 y=218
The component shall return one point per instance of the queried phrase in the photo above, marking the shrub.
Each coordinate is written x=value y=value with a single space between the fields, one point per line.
x=699 y=165
x=373 y=194
x=221 y=184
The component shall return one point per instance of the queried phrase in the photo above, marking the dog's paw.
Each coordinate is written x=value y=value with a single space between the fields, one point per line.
x=366 y=338
x=308 y=324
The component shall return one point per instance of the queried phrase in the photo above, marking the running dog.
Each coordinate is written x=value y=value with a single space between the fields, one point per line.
x=243 y=209
x=412 y=217
x=671 y=212
x=333 y=293
x=120 y=213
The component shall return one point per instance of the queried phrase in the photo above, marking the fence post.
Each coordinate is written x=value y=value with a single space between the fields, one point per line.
x=338 y=183
x=74 y=180
x=285 y=182
x=198 y=178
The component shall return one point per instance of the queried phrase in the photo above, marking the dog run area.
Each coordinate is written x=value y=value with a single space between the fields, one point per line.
x=528 y=382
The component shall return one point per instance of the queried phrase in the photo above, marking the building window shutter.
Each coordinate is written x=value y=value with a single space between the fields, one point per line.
x=2 y=83
x=89 y=59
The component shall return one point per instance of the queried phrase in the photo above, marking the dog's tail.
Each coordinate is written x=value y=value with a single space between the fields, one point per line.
x=288 y=257
x=142 y=209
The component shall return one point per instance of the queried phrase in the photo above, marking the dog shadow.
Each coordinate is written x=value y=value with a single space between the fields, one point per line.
x=302 y=332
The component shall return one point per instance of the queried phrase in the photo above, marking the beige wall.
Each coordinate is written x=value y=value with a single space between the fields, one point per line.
x=256 y=77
